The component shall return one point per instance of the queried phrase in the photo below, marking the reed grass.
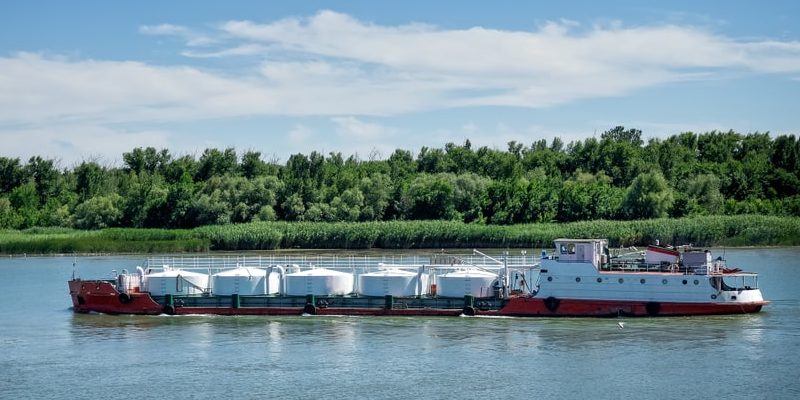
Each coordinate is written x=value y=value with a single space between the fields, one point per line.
x=115 y=240
x=740 y=230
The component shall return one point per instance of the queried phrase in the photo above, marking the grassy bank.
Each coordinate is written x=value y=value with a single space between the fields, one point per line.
x=116 y=240
x=746 y=230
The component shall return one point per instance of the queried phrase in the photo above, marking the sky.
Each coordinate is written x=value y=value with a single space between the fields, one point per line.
x=90 y=80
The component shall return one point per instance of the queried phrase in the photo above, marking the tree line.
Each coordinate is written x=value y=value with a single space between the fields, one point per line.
x=614 y=177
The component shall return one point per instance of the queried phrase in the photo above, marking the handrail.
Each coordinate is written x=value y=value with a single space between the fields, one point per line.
x=216 y=263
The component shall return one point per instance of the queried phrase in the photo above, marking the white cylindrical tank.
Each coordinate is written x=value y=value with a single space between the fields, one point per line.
x=473 y=282
x=319 y=282
x=245 y=282
x=175 y=282
x=395 y=282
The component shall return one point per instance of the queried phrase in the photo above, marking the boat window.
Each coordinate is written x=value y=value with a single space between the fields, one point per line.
x=729 y=284
x=571 y=248
x=563 y=249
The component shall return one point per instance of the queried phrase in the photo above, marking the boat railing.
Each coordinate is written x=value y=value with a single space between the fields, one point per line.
x=638 y=266
x=348 y=262
x=717 y=267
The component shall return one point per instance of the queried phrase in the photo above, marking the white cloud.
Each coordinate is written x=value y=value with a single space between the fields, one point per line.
x=469 y=128
x=39 y=90
x=191 y=37
x=300 y=134
x=243 y=50
x=332 y=64
x=163 y=29
x=555 y=64
x=74 y=143
x=352 y=128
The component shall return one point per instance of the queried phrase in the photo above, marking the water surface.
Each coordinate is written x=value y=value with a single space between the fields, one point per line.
x=49 y=352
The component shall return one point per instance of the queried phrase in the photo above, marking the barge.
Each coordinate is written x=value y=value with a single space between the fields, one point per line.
x=580 y=278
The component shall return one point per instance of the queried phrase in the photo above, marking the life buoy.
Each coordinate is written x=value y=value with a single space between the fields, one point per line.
x=310 y=309
x=169 y=309
x=469 y=311
x=653 y=308
x=124 y=298
x=552 y=303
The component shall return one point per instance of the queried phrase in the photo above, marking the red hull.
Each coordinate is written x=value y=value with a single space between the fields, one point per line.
x=101 y=296
x=533 y=307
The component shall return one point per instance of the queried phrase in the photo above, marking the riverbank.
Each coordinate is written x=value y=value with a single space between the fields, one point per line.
x=740 y=230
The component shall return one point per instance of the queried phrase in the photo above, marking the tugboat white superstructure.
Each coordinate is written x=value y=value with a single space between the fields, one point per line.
x=580 y=278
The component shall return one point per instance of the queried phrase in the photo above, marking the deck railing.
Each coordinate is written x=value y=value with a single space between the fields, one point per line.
x=351 y=262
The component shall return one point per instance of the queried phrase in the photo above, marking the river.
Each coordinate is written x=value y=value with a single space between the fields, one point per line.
x=49 y=352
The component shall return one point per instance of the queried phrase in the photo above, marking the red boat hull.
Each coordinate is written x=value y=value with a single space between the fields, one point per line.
x=102 y=297
x=534 y=307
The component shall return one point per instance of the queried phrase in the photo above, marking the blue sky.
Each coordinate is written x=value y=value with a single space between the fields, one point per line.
x=92 y=79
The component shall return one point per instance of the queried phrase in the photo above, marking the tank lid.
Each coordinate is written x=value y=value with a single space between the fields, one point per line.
x=173 y=273
x=470 y=273
x=390 y=272
x=320 y=272
x=242 y=271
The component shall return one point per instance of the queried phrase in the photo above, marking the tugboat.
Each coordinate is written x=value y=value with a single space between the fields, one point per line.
x=579 y=279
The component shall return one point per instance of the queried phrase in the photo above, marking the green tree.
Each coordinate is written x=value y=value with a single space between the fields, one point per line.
x=470 y=195
x=704 y=195
x=90 y=180
x=461 y=158
x=145 y=202
x=619 y=134
x=216 y=163
x=180 y=199
x=55 y=214
x=8 y=217
x=649 y=196
x=25 y=201
x=498 y=165
x=433 y=161
x=175 y=171
x=147 y=160
x=551 y=160
x=11 y=174
x=348 y=206
x=210 y=209
x=294 y=208
x=252 y=165
x=430 y=197
x=401 y=165
x=507 y=201
x=377 y=193
x=589 y=197
x=98 y=212
x=45 y=177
